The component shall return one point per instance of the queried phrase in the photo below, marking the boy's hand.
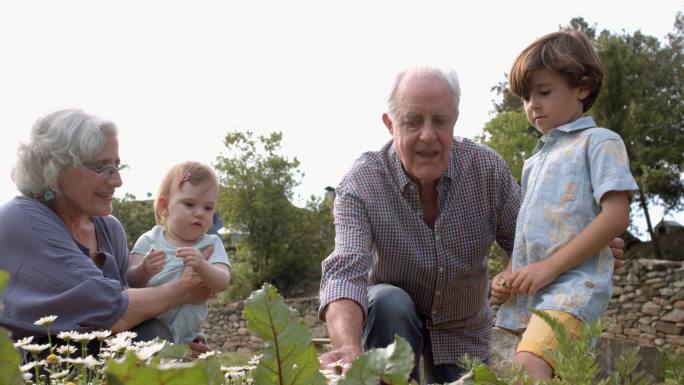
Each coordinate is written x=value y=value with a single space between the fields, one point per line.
x=191 y=258
x=154 y=262
x=501 y=287
x=532 y=278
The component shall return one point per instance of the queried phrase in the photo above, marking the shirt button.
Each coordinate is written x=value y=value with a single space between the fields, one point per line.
x=438 y=293
x=440 y=269
x=434 y=312
x=437 y=237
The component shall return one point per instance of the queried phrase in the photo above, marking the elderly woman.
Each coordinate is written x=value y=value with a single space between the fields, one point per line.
x=65 y=253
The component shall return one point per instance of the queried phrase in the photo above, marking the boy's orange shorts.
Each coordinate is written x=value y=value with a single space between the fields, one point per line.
x=539 y=338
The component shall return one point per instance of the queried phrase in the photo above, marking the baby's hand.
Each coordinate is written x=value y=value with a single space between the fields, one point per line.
x=501 y=288
x=191 y=258
x=154 y=261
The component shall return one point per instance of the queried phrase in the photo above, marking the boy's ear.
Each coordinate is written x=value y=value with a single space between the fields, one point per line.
x=584 y=88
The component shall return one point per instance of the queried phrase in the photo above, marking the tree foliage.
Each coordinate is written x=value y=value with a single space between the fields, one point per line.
x=512 y=137
x=642 y=100
x=279 y=242
x=136 y=216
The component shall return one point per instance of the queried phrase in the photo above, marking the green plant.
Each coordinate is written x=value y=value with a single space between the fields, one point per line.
x=290 y=357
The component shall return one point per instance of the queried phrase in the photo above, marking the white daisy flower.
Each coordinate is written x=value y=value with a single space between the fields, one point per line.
x=255 y=359
x=121 y=341
x=91 y=362
x=127 y=334
x=102 y=334
x=35 y=348
x=175 y=365
x=148 y=351
x=58 y=375
x=66 y=350
x=83 y=338
x=27 y=376
x=29 y=366
x=46 y=321
x=206 y=355
x=67 y=336
x=23 y=341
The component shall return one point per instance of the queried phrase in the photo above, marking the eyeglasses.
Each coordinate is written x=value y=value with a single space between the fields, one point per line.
x=107 y=170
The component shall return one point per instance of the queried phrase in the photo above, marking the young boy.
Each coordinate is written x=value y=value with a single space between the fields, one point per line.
x=576 y=189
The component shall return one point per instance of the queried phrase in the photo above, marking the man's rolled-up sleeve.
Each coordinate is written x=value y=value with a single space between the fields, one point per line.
x=345 y=270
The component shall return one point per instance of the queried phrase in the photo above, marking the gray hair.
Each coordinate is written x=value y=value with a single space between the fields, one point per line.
x=448 y=74
x=58 y=140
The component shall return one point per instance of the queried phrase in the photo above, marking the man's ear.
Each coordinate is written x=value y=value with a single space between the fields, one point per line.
x=388 y=123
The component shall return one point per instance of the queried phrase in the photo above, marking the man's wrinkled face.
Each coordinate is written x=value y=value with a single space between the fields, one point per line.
x=422 y=125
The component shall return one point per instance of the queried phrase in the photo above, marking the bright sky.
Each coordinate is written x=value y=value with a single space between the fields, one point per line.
x=177 y=76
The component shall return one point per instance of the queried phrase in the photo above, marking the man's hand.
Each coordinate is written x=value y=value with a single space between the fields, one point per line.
x=153 y=262
x=346 y=355
x=501 y=287
x=617 y=248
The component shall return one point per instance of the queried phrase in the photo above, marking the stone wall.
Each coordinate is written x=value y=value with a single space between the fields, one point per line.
x=647 y=308
x=648 y=304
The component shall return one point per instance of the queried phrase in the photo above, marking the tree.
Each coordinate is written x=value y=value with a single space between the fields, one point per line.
x=643 y=100
x=512 y=137
x=281 y=243
x=136 y=216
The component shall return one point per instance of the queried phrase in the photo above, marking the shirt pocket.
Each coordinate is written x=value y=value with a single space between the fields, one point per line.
x=561 y=181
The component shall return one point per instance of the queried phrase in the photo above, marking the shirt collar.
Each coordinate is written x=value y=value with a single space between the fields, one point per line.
x=580 y=124
x=577 y=125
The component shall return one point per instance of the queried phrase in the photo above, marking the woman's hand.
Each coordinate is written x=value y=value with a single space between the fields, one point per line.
x=191 y=288
x=198 y=346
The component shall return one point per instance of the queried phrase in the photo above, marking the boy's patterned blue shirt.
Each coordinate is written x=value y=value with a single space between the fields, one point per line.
x=563 y=182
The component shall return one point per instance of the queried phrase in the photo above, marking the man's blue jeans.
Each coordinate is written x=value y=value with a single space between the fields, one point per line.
x=392 y=311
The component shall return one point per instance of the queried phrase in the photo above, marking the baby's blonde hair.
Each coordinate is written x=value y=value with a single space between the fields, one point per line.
x=190 y=172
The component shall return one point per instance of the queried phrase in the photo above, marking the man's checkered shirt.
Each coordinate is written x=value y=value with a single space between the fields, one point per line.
x=381 y=238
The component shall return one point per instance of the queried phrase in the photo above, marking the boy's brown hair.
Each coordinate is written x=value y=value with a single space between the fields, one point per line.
x=190 y=172
x=568 y=53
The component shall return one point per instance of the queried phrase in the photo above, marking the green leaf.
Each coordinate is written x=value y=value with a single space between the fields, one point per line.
x=391 y=365
x=130 y=372
x=4 y=279
x=9 y=357
x=290 y=357
x=174 y=351
x=483 y=375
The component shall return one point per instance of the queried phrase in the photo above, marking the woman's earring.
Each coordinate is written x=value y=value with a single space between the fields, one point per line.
x=48 y=195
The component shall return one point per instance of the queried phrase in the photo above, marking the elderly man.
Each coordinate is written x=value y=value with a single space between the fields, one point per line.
x=414 y=222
